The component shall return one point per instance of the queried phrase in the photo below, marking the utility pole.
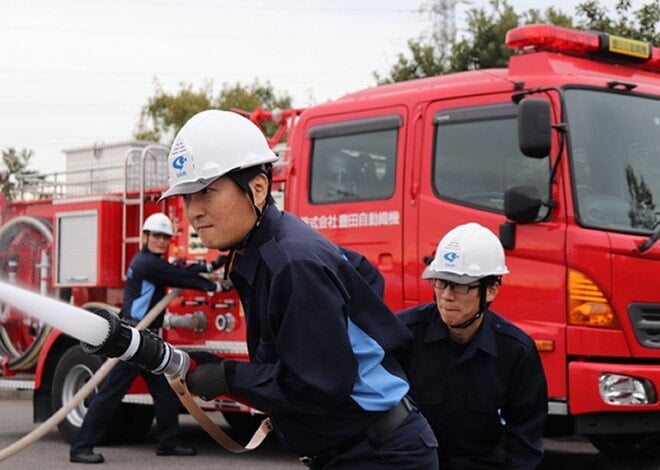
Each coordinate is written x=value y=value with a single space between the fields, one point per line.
x=443 y=15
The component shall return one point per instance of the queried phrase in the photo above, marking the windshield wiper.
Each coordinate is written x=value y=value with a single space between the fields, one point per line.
x=649 y=243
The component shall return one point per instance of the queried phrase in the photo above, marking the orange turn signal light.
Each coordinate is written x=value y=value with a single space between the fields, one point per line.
x=587 y=304
x=544 y=345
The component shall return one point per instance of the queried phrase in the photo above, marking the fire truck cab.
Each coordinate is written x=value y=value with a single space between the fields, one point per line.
x=559 y=154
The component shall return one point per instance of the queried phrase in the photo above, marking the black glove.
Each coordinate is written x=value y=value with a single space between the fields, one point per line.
x=211 y=375
x=204 y=357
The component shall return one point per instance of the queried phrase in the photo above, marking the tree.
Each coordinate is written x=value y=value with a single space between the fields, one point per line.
x=16 y=164
x=427 y=61
x=250 y=97
x=642 y=210
x=164 y=114
x=483 y=44
x=643 y=24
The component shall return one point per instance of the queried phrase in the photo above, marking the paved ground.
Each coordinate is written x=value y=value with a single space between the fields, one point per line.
x=51 y=452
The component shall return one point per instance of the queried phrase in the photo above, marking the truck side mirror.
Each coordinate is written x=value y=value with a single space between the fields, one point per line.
x=522 y=203
x=534 y=127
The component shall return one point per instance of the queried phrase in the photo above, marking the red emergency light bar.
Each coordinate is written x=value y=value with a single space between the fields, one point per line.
x=541 y=37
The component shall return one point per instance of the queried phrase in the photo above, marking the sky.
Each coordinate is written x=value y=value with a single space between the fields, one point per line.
x=77 y=72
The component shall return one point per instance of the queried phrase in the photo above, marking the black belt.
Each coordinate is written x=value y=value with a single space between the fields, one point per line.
x=382 y=427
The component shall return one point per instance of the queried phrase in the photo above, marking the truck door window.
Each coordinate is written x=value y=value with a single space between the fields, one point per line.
x=476 y=157
x=615 y=159
x=354 y=160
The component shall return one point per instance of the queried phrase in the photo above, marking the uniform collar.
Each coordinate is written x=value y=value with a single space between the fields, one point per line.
x=484 y=339
x=437 y=330
x=246 y=265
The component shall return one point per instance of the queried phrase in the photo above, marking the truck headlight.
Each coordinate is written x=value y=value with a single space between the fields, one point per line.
x=616 y=389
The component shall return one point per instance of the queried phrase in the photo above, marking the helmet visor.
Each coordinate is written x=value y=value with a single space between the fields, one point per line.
x=430 y=273
x=187 y=187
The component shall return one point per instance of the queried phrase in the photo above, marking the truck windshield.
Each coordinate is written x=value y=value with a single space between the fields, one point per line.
x=615 y=159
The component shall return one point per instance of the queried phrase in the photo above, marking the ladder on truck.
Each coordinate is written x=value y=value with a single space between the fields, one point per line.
x=135 y=189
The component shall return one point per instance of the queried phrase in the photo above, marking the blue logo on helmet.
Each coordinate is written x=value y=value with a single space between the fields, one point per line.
x=179 y=162
x=450 y=256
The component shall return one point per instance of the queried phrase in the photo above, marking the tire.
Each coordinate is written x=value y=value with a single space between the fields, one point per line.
x=130 y=423
x=628 y=447
x=243 y=425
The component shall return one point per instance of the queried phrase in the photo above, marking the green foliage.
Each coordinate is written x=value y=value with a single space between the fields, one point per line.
x=482 y=46
x=427 y=61
x=16 y=164
x=549 y=16
x=165 y=113
x=247 y=98
x=643 y=24
x=642 y=211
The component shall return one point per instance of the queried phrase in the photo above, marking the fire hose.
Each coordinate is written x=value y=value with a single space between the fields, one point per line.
x=105 y=334
x=22 y=359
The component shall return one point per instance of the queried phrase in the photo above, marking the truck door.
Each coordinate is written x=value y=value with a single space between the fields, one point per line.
x=469 y=156
x=349 y=182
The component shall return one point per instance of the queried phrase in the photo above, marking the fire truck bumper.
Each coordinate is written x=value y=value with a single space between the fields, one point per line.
x=614 y=398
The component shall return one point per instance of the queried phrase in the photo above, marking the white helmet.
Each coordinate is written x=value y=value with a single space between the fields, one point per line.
x=466 y=254
x=158 y=223
x=211 y=144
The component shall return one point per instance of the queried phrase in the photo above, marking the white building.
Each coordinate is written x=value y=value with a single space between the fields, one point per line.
x=101 y=168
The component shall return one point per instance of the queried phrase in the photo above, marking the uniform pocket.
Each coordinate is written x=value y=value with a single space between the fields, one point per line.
x=430 y=397
x=481 y=404
x=482 y=420
x=428 y=438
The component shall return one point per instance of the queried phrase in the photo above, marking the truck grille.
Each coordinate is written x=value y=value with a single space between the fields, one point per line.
x=645 y=319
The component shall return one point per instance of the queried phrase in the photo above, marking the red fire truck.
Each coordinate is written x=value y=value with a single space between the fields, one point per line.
x=559 y=153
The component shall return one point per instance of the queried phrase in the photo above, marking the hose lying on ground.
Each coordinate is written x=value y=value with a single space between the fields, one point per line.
x=88 y=388
x=112 y=337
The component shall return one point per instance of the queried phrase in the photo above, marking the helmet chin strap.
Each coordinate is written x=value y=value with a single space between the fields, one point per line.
x=243 y=184
x=466 y=324
x=482 y=308
x=232 y=249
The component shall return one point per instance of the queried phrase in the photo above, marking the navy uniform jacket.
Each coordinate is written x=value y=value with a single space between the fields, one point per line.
x=487 y=404
x=367 y=270
x=148 y=276
x=319 y=336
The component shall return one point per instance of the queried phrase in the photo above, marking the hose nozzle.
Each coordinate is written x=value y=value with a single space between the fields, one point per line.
x=140 y=347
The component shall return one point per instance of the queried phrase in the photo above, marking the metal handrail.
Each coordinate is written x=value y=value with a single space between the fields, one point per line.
x=59 y=184
x=152 y=152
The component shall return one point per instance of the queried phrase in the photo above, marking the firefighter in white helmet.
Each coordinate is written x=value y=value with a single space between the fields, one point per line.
x=321 y=340
x=477 y=377
x=156 y=224
x=148 y=276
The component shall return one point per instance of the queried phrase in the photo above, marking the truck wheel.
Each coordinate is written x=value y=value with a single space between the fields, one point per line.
x=130 y=423
x=627 y=446
x=243 y=425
